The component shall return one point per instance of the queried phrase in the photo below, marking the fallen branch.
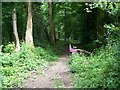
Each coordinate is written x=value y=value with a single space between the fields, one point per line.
x=84 y=51
x=78 y=50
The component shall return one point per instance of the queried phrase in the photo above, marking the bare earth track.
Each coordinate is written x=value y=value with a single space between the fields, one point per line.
x=57 y=75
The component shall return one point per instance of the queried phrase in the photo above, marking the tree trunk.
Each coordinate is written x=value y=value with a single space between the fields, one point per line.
x=100 y=24
x=65 y=13
x=29 y=36
x=52 y=32
x=15 y=30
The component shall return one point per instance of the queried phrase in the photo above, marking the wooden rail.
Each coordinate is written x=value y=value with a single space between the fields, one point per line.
x=83 y=51
x=79 y=50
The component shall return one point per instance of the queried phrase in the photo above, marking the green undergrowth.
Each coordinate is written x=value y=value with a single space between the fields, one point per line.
x=14 y=66
x=101 y=70
x=58 y=47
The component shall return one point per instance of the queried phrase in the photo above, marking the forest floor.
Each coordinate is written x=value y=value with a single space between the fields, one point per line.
x=56 y=75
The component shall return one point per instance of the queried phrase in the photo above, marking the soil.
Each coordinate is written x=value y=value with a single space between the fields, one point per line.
x=55 y=76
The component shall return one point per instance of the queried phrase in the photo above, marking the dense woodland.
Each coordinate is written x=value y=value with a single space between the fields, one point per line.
x=35 y=34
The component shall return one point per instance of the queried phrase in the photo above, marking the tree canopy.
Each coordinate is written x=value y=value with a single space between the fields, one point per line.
x=92 y=27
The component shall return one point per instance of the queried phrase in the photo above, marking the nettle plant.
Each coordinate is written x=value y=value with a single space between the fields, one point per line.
x=9 y=48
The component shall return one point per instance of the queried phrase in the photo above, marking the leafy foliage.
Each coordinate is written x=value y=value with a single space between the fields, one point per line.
x=14 y=66
x=97 y=71
x=9 y=48
x=93 y=26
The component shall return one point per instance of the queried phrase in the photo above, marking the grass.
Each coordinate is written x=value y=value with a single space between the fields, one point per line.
x=100 y=70
x=14 y=66
x=57 y=82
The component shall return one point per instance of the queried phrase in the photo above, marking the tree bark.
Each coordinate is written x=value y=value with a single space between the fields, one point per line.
x=52 y=32
x=29 y=36
x=15 y=30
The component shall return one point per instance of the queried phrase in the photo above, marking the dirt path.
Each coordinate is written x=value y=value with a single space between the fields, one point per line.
x=57 y=75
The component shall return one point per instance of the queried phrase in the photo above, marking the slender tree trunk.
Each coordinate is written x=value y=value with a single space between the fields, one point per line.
x=65 y=37
x=29 y=36
x=52 y=32
x=58 y=33
x=47 y=34
x=100 y=23
x=15 y=30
